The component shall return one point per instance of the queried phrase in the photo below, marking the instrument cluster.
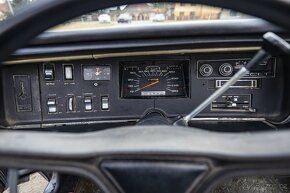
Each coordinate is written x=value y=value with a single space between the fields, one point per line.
x=155 y=79
x=127 y=88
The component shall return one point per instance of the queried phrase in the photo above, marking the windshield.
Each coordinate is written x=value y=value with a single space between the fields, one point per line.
x=133 y=14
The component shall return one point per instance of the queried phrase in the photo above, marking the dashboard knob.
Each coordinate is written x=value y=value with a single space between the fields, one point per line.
x=226 y=69
x=206 y=70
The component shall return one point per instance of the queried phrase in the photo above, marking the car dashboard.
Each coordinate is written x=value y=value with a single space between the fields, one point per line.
x=57 y=82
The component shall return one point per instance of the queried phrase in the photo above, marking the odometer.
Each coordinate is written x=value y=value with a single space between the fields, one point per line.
x=153 y=80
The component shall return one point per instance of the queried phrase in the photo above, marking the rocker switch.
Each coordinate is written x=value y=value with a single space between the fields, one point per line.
x=68 y=72
x=49 y=72
x=105 y=103
x=88 y=104
x=51 y=104
x=70 y=104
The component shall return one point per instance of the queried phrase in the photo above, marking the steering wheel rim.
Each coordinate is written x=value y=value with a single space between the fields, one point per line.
x=39 y=17
x=13 y=156
x=211 y=156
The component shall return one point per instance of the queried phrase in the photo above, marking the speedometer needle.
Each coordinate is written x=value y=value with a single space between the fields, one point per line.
x=148 y=85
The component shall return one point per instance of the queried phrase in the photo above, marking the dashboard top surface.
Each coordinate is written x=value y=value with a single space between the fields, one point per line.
x=196 y=28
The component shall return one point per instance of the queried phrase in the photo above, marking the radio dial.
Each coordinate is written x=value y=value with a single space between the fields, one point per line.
x=226 y=69
x=206 y=70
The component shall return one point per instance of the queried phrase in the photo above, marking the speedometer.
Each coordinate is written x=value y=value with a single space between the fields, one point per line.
x=149 y=80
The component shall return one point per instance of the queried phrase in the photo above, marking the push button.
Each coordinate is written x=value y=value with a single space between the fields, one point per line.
x=105 y=103
x=88 y=103
x=49 y=72
x=51 y=104
x=68 y=72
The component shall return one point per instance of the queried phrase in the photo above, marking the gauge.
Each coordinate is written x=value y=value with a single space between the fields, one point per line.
x=147 y=81
x=97 y=72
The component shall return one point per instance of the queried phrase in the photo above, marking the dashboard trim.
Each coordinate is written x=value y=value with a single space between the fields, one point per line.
x=47 y=125
x=228 y=119
x=182 y=51
x=126 y=54
x=47 y=59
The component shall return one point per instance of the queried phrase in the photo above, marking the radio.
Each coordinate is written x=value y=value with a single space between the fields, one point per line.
x=226 y=68
x=234 y=103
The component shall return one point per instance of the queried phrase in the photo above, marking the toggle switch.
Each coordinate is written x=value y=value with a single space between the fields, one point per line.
x=105 y=103
x=68 y=72
x=70 y=104
x=49 y=73
x=51 y=104
x=88 y=103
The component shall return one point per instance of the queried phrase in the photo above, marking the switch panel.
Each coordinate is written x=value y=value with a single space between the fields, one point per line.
x=88 y=104
x=49 y=72
x=51 y=104
x=105 y=103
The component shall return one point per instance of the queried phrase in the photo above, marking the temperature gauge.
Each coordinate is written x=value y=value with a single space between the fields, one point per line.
x=97 y=72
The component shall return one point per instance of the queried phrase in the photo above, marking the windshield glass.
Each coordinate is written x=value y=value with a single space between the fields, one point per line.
x=133 y=14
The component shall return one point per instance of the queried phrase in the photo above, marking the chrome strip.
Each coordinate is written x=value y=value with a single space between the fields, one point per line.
x=124 y=121
x=124 y=54
x=46 y=125
x=183 y=51
x=48 y=59
x=228 y=119
x=127 y=120
x=254 y=83
x=89 y=122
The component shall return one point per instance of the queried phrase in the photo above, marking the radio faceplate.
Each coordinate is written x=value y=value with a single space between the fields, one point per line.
x=233 y=103
x=225 y=68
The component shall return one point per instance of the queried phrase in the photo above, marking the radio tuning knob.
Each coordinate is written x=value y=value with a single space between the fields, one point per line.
x=226 y=69
x=206 y=70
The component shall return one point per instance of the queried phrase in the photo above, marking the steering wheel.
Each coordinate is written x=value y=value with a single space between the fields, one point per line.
x=142 y=158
